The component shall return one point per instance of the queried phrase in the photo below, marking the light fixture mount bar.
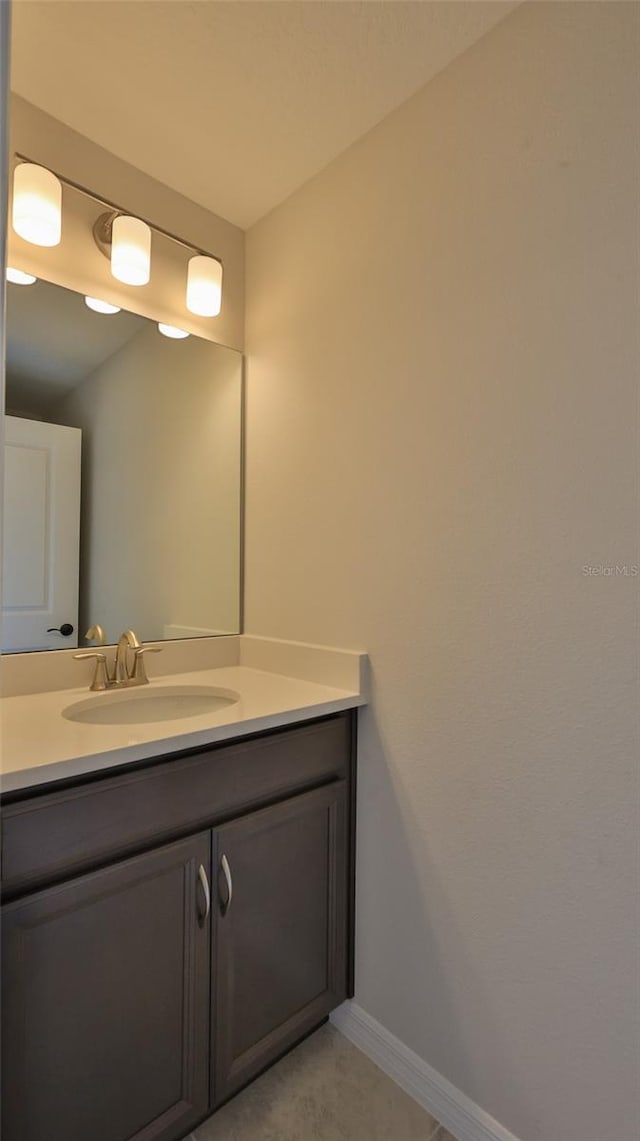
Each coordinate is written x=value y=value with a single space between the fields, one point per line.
x=103 y=231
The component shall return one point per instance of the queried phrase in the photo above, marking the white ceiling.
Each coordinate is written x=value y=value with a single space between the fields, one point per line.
x=234 y=103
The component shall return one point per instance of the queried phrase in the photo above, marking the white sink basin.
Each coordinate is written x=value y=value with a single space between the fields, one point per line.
x=145 y=705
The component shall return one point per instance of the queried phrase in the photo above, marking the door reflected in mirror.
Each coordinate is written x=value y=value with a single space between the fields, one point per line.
x=122 y=476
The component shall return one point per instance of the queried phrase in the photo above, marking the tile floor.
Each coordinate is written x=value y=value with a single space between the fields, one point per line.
x=324 y=1090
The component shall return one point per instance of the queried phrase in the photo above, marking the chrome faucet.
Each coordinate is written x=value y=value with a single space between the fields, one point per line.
x=122 y=673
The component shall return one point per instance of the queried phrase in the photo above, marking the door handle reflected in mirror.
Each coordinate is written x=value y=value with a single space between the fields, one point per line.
x=66 y=629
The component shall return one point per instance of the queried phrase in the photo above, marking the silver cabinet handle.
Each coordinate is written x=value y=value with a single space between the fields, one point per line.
x=226 y=871
x=204 y=882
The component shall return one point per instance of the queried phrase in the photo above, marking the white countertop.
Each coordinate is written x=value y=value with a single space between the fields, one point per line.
x=39 y=745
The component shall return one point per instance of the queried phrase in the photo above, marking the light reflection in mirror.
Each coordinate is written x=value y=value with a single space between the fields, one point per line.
x=157 y=423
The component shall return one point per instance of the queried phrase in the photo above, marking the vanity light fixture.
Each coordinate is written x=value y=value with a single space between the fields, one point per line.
x=204 y=286
x=124 y=239
x=171 y=331
x=36 y=212
x=19 y=277
x=99 y=306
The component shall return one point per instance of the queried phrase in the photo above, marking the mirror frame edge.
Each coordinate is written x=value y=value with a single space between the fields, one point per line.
x=5 y=64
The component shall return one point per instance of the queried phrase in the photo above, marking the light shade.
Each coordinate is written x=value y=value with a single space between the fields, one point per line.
x=99 y=306
x=130 y=250
x=204 y=286
x=171 y=331
x=19 y=277
x=36 y=213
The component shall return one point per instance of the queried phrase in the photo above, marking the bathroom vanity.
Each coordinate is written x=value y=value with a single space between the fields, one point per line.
x=171 y=927
x=178 y=862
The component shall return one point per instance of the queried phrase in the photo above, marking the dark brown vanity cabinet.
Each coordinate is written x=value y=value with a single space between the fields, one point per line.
x=105 y=996
x=281 y=940
x=143 y=990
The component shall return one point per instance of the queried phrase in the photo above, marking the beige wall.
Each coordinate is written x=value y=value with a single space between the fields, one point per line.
x=443 y=351
x=77 y=262
x=160 y=527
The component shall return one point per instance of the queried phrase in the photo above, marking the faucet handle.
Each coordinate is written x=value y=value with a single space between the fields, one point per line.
x=100 y=677
x=139 y=674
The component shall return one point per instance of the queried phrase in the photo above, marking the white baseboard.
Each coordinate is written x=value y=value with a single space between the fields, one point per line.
x=452 y=1108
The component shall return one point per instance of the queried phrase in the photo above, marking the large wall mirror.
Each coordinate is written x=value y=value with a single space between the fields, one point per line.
x=122 y=495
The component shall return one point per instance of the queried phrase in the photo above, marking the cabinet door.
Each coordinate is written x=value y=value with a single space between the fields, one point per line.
x=280 y=931
x=106 y=1002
